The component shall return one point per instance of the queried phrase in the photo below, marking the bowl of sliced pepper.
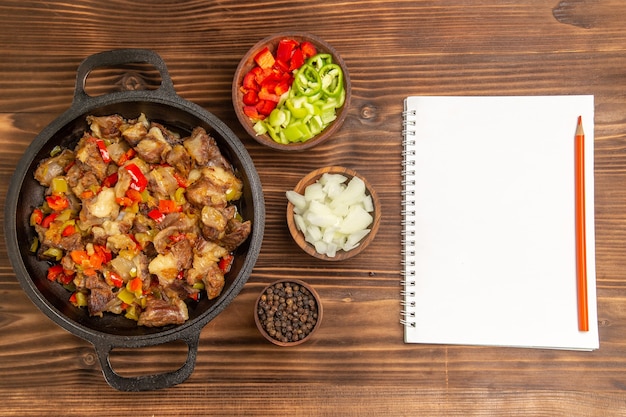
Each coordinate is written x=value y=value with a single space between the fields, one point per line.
x=291 y=91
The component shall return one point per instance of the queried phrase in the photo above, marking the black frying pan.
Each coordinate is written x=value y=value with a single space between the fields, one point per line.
x=165 y=106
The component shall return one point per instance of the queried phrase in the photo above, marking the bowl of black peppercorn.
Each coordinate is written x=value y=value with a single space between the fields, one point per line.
x=287 y=312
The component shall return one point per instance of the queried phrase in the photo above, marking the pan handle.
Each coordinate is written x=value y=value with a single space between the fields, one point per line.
x=121 y=57
x=147 y=382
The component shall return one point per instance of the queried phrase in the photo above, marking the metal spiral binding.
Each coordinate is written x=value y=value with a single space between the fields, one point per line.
x=408 y=214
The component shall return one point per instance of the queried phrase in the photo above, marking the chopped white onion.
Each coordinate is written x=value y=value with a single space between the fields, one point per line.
x=333 y=213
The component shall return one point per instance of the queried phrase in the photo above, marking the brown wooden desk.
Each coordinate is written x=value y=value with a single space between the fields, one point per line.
x=357 y=365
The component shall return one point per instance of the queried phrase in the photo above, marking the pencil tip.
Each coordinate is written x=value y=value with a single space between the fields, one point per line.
x=580 y=120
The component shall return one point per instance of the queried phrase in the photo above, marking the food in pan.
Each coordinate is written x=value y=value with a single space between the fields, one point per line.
x=138 y=220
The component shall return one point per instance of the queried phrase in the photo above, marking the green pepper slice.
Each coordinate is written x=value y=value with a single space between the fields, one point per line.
x=319 y=60
x=332 y=79
x=307 y=80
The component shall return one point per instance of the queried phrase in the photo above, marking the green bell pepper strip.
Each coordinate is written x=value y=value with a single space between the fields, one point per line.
x=332 y=79
x=307 y=81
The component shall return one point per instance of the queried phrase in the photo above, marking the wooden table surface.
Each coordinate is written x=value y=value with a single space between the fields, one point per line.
x=357 y=364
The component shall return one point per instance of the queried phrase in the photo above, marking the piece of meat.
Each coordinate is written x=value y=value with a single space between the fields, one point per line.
x=106 y=127
x=161 y=312
x=88 y=153
x=203 y=148
x=99 y=295
x=236 y=233
x=179 y=158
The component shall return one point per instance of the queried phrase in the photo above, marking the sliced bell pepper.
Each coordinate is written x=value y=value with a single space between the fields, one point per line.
x=156 y=215
x=58 y=202
x=297 y=60
x=264 y=58
x=104 y=152
x=286 y=49
x=308 y=49
x=69 y=230
x=138 y=180
x=250 y=98
x=331 y=76
x=169 y=206
x=226 y=262
x=49 y=219
x=36 y=217
x=110 y=181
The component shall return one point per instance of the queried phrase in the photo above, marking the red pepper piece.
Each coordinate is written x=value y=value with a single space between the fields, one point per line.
x=54 y=272
x=282 y=87
x=138 y=180
x=308 y=49
x=115 y=279
x=58 y=202
x=156 y=215
x=128 y=155
x=226 y=262
x=249 y=81
x=285 y=49
x=110 y=181
x=169 y=206
x=297 y=60
x=281 y=66
x=104 y=152
x=135 y=285
x=265 y=107
x=134 y=195
x=264 y=58
x=36 y=217
x=267 y=96
x=48 y=219
x=69 y=230
x=251 y=111
x=250 y=98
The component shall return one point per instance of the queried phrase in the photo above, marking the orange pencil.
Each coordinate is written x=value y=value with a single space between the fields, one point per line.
x=581 y=250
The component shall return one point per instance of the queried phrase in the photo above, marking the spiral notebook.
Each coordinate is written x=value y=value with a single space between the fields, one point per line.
x=489 y=221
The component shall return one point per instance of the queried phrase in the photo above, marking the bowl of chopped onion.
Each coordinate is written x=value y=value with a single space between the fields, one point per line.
x=333 y=213
x=291 y=91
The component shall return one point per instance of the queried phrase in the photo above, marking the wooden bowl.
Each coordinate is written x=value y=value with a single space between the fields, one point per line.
x=307 y=326
x=247 y=63
x=298 y=236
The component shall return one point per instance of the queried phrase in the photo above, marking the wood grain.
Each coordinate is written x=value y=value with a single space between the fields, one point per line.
x=357 y=364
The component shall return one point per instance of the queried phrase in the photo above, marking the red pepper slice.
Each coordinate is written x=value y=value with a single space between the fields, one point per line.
x=116 y=279
x=308 y=49
x=58 y=202
x=250 y=98
x=138 y=180
x=169 y=206
x=36 y=217
x=104 y=152
x=134 y=195
x=297 y=60
x=69 y=230
x=265 y=107
x=226 y=262
x=128 y=155
x=54 y=272
x=249 y=81
x=48 y=219
x=156 y=215
x=110 y=181
x=264 y=58
x=252 y=112
x=285 y=49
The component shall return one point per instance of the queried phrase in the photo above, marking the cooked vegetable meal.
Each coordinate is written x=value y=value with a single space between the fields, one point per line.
x=294 y=94
x=334 y=213
x=138 y=220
